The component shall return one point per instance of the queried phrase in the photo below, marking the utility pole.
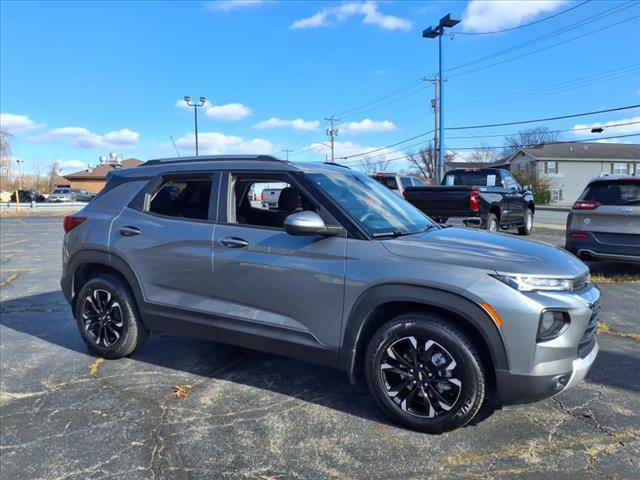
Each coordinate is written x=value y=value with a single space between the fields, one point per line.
x=433 y=32
x=435 y=104
x=287 y=151
x=331 y=133
x=195 y=106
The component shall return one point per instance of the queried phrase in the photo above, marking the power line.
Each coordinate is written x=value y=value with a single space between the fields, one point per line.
x=526 y=24
x=592 y=19
x=552 y=89
x=586 y=140
x=382 y=98
x=560 y=117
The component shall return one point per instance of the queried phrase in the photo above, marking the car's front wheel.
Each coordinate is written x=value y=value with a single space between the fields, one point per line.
x=107 y=317
x=425 y=373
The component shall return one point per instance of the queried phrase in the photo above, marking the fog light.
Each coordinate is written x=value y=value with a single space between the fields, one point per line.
x=552 y=323
x=560 y=382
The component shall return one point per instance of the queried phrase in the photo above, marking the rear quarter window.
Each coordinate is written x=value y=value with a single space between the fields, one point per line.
x=614 y=193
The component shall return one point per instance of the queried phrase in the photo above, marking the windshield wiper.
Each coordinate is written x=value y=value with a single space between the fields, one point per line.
x=391 y=233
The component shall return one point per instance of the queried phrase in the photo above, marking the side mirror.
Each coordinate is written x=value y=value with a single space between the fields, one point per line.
x=308 y=223
x=526 y=188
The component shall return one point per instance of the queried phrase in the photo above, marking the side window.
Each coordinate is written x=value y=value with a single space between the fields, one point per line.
x=406 y=181
x=184 y=198
x=263 y=202
x=418 y=182
x=509 y=181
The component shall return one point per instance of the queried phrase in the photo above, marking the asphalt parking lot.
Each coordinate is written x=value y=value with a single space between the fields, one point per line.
x=68 y=415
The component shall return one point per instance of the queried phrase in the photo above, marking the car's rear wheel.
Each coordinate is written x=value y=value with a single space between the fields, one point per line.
x=107 y=317
x=528 y=223
x=425 y=373
x=492 y=224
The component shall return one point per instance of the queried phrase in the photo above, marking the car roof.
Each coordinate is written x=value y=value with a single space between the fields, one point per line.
x=612 y=178
x=263 y=163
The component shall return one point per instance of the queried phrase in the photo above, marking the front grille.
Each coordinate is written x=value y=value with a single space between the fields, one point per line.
x=587 y=338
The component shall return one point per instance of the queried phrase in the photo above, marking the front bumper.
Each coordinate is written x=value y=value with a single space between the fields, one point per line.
x=517 y=389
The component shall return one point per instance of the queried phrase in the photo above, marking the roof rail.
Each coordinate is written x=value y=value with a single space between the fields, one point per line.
x=337 y=165
x=209 y=158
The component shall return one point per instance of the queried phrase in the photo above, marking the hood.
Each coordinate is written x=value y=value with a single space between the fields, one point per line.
x=489 y=251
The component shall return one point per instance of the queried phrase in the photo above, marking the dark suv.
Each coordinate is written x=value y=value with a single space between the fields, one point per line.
x=343 y=273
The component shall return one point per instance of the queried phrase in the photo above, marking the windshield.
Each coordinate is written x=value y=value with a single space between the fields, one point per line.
x=614 y=193
x=478 y=178
x=61 y=190
x=375 y=207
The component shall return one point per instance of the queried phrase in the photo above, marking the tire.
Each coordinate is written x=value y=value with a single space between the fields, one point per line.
x=528 y=223
x=492 y=224
x=108 y=319
x=442 y=343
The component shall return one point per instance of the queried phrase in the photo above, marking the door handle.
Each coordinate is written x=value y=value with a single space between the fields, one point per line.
x=129 y=231
x=234 y=242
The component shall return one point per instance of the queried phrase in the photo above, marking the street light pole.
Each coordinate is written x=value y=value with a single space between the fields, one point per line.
x=195 y=106
x=433 y=32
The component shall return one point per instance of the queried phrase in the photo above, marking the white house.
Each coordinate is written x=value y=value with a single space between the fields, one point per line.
x=569 y=166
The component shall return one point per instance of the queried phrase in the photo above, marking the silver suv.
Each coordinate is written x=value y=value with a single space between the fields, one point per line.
x=343 y=273
x=604 y=223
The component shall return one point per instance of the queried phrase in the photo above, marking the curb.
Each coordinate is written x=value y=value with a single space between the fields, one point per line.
x=553 y=209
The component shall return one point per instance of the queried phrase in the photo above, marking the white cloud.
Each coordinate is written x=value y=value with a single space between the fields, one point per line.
x=231 y=112
x=227 y=5
x=17 y=123
x=318 y=19
x=366 y=126
x=297 y=124
x=579 y=129
x=214 y=143
x=490 y=15
x=68 y=166
x=182 y=105
x=367 y=11
x=83 y=138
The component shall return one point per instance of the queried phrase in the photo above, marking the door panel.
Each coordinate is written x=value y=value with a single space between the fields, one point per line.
x=288 y=283
x=172 y=257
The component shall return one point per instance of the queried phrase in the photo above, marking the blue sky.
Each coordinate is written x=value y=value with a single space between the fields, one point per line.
x=81 y=79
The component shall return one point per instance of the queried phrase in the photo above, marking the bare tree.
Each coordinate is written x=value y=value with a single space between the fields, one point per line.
x=54 y=171
x=528 y=138
x=425 y=161
x=484 y=154
x=373 y=165
x=5 y=159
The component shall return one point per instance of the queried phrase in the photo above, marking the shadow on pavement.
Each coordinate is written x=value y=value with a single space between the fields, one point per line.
x=47 y=317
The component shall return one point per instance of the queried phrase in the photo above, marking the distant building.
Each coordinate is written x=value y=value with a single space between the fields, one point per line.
x=93 y=178
x=569 y=166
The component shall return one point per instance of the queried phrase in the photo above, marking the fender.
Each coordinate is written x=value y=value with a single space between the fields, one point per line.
x=464 y=307
x=102 y=257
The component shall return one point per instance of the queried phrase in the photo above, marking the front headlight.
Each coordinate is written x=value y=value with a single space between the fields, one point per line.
x=527 y=283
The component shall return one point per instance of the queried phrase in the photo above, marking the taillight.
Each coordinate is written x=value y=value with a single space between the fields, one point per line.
x=585 y=205
x=405 y=195
x=578 y=235
x=72 y=221
x=474 y=201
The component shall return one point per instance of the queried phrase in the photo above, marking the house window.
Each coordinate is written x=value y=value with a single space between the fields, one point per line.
x=556 y=195
x=551 y=168
x=620 y=168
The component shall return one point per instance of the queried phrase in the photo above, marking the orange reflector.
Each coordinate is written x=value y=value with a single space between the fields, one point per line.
x=493 y=314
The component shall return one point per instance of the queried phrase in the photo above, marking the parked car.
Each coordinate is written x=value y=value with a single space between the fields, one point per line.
x=343 y=273
x=82 y=195
x=27 y=196
x=397 y=182
x=490 y=198
x=604 y=223
x=270 y=197
x=61 y=195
